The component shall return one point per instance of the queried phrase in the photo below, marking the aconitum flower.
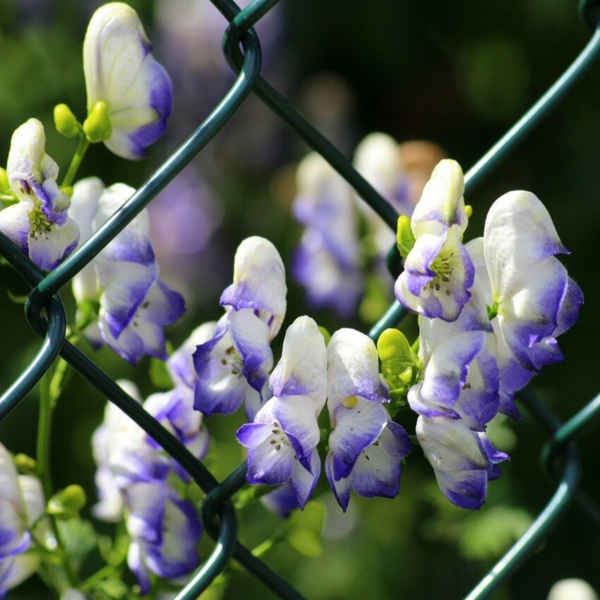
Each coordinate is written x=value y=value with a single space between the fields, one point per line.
x=534 y=298
x=233 y=366
x=175 y=411
x=438 y=271
x=124 y=83
x=21 y=504
x=283 y=438
x=38 y=223
x=327 y=261
x=164 y=532
x=123 y=280
x=463 y=460
x=460 y=373
x=511 y=375
x=366 y=447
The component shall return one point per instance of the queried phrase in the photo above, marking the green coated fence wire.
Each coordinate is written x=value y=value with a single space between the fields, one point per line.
x=44 y=309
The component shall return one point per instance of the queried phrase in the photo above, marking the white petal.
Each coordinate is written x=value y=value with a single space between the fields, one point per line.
x=302 y=369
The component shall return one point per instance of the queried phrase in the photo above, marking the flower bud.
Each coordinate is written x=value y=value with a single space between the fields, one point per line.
x=97 y=126
x=65 y=121
x=4 y=183
x=404 y=237
x=67 y=503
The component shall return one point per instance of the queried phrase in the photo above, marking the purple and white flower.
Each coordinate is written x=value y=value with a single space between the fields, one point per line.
x=38 y=223
x=134 y=304
x=438 y=271
x=175 y=411
x=327 y=261
x=460 y=373
x=21 y=504
x=121 y=73
x=366 y=447
x=164 y=532
x=233 y=366
x=511 y=375
x=283 y=438
x=532 y=294
x=124 y=456
x=463 y=460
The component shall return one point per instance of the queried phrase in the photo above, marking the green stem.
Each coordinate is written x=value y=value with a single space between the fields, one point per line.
x=76 y=161
x=263 y=548
x=50 y=381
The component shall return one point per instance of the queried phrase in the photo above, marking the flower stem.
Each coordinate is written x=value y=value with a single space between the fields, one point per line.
x=51 y=381
x=76 y=161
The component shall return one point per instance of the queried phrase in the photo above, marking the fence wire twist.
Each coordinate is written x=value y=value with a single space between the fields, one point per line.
x=45 y=312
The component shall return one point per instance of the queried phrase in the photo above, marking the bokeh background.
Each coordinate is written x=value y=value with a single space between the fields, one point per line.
x=454 y=73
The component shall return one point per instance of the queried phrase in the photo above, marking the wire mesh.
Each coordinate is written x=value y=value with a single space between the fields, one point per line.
x=45 y=312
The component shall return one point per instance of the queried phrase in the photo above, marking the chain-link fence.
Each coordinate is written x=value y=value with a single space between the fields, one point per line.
x=45 y=313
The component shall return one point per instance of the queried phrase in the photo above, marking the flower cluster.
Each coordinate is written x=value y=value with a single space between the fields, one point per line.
x=284 y=434
x=332 y=257
x=490 y=314
x=134 y=479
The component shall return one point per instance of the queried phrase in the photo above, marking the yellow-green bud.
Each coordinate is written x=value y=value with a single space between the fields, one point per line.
x=67 y=503
x=468 y=210
x=97 y=126
x=404 y=236
x=25 y=464
x=4 y=184
x=406 y=375
x=392 y=344
x=325 y=334
x=65 y=121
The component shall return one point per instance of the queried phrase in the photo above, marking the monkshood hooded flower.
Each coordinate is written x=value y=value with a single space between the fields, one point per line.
x=125 y=85
x=534 y=298
x=175 y=411
x=123 y=456
x=463 y=460
x=283 y=438
x=233 y=366
x=327 y=261
x=460 y=373
x=21 y=504
x=366 y=446
x=134 y=304
x=164 y=532
x=38 y=223
x=438 y=271
x=511 y=375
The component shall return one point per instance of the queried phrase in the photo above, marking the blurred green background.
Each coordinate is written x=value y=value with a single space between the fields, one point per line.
x=455 y=73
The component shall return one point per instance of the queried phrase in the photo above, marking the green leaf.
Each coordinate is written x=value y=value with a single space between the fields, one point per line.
x=79 y=537
x=159 y=375
x=488 y=535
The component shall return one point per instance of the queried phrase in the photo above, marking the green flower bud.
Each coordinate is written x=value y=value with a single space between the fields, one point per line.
x=4 y=185
x=392 y=345
x=65 y=121
x=25 y=464
x=404 y=236
x=325 y=334
x=67 y=503
x=97 y=126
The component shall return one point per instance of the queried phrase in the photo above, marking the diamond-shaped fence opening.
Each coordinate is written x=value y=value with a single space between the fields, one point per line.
x=45 y=313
